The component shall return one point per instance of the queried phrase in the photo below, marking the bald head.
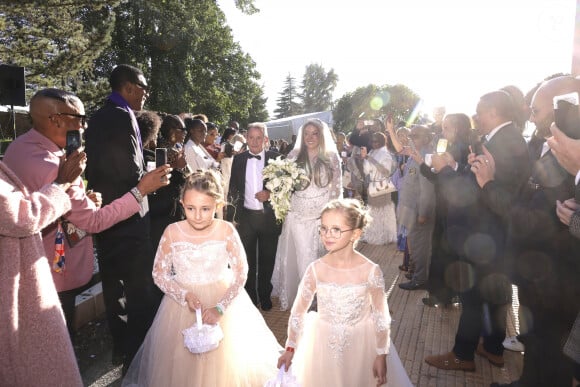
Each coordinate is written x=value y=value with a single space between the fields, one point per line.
x=542 y=102
x=54 y=112
x=47 y=102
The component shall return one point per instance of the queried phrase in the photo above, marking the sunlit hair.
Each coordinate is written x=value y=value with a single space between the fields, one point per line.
x=326 y=147
x=355 y=214
x=259 y=125
x=462 y=124
x=207 y=182
x=380 y=138
x=501 y=101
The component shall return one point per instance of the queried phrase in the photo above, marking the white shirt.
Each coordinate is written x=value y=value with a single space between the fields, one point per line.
x=197 y=157
x=254 y=181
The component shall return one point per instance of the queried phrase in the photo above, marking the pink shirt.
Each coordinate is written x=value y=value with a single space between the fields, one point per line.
x=35 y=159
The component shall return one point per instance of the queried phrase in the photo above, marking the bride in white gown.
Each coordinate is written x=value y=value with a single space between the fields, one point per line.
x=299 y=243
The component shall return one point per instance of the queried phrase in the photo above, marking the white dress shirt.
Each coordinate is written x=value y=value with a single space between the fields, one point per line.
x=254 y=181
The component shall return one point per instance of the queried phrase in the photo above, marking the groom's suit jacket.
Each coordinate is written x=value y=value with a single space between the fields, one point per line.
x=238 y=186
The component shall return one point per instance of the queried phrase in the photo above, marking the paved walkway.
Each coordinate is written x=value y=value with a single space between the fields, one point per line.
x=417 y=331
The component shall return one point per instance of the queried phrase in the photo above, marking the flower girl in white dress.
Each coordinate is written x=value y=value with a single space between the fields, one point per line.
x=346 y=343
x=201 y=264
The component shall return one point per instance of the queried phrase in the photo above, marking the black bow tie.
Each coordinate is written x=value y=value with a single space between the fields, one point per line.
x=250 y=156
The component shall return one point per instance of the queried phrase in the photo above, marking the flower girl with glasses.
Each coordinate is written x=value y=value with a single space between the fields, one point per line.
x=346 y=342
x=201 y=264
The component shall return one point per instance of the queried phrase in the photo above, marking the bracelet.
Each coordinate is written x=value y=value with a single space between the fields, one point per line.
x=290 y=349
x=137 y=194
x=219 y=309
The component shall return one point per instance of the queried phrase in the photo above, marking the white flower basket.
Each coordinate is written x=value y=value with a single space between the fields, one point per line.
x=283 y=379
x=201 y=338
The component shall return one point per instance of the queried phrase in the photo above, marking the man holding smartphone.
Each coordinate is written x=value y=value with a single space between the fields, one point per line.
x=125 y=253
x=480 y=240
x=35 y=158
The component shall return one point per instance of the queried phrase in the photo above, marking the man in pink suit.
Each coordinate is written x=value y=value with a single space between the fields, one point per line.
x=34 y=158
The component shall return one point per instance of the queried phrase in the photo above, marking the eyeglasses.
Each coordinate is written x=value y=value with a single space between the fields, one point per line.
x=144 y=87
x=335 y=232
x=82 y=117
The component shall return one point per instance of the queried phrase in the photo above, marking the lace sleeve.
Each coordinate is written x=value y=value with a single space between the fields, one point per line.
x=336 y=183
x=239 y=265
x=306 y=291
x=164 y=271
x=380 y=310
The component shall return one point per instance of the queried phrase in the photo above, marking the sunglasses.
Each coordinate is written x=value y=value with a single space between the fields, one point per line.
x=82 y=117
x=144 y=87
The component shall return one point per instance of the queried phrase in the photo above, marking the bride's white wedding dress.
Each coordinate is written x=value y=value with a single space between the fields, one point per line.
x=299 y=244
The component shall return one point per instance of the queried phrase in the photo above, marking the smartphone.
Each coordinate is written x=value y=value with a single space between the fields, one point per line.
x=475 y=144
x=441 y=145
x=567 y=115
x=160 y=157
x=73 y=141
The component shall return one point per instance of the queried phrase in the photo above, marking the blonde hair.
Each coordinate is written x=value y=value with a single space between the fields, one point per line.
x=355 y=213
x=325 y=146
x=207 y=182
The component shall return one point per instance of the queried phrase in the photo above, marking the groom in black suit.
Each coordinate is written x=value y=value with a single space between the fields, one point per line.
x=253 y=214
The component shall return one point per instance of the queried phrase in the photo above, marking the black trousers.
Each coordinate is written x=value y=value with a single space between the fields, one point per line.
x=259 y=233
x=125 y=265
x=544 y=332
x=480 y=317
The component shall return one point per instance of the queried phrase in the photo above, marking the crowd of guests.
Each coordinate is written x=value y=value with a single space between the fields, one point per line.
x=473 y=206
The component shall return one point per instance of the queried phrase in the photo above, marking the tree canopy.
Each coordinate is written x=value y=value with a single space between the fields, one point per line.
x=287 y=105
x=317 y=88
x=184 y=47
x=375 y=102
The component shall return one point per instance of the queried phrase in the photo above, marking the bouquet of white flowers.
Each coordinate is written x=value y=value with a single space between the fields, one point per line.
x=283 y=176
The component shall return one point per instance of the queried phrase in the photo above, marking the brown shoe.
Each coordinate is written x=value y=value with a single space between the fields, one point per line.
x=448 y=361
x=496 y=360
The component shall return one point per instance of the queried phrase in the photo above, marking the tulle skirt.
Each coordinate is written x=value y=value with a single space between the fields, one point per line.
x=326 y=356
x=247 y=355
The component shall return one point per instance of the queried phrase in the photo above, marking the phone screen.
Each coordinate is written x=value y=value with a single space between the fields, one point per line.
x=442 y=145
x=73 y=141
x=160 y=156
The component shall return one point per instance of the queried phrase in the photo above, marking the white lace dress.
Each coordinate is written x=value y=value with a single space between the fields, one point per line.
x=383 y=229
x=299 y=243
x=214 y=268
x=337 y=345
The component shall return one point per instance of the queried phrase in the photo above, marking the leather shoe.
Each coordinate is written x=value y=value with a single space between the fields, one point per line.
x=409 y=276
x=496 y=360
x=448 y=361
x=266 y=305
x=411 y=285
x=403 y=268
x=515 y=383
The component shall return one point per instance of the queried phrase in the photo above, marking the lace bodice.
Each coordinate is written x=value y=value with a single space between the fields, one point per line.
x=184 y=259
x=345 y=298
x=309 y=202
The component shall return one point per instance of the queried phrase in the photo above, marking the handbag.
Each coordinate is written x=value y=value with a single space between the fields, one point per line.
x=201 y=338
x=283 y=379
x=382 y=187
x=72 y=233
